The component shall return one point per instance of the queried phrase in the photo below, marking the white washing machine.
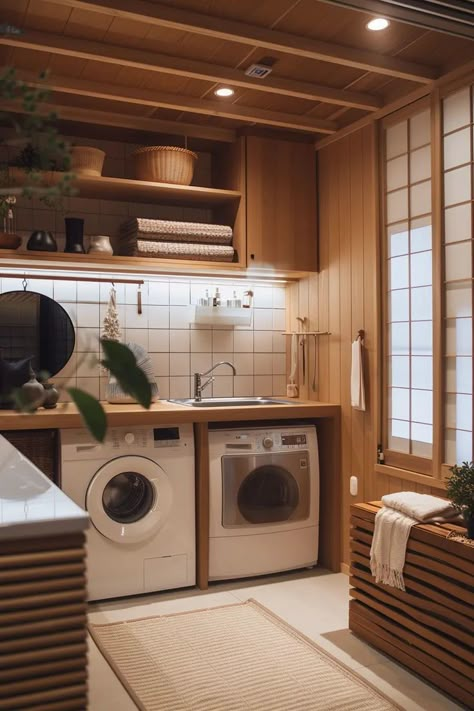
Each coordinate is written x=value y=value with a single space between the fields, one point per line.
x=138 y=488
x=264 y=501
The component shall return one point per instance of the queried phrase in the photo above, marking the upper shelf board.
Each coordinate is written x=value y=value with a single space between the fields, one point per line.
x=101 y=187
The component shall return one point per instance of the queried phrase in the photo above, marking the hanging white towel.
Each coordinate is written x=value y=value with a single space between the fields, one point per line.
x=393 y=524
x=357 y=377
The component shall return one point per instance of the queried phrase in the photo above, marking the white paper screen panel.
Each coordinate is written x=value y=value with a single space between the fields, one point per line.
x=458 y=272
x=409 y=285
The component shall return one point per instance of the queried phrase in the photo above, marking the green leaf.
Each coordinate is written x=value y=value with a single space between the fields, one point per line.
x=91 y=411
x=122 y=364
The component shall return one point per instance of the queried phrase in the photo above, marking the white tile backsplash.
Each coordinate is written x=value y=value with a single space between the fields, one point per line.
x=178 y=347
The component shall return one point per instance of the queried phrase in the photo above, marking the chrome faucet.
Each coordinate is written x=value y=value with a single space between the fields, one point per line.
x=199 y=385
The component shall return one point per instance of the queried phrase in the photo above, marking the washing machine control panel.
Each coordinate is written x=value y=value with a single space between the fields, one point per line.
x=271 y=441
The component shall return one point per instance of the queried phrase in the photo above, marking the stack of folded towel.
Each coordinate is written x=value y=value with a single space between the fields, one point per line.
x=142 y=237
x=393 y=523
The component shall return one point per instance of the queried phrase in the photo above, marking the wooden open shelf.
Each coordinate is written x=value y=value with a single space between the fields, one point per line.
x=104 y=188
x=60 y=261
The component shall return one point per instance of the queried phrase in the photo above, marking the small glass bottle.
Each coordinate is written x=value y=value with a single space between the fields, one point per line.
x=217 y=297
x=207 y=299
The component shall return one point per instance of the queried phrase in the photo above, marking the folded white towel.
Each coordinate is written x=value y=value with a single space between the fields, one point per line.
x=357 y=377
x=392 y=528
x=423 y=507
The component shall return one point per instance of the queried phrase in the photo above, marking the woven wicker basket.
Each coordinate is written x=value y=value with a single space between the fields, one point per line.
x=86 y=160
x=164 y=164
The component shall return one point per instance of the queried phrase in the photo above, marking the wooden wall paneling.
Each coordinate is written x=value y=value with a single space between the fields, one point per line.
x=228 y=171
x=371 y=299
x=358 y=197
x=325 y=189
x=303 y=312
x=345 y=158
x=201 y=443
x=330 y=523
x=313 y=315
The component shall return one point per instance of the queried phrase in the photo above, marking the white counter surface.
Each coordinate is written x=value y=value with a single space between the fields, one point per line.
x=30 y=504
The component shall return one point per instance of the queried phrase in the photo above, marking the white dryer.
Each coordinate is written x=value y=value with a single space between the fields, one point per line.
x=264 y=500
x=138 y=488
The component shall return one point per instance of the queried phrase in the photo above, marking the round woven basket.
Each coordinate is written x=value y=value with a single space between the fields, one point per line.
x=164 y=164
x=86 y=160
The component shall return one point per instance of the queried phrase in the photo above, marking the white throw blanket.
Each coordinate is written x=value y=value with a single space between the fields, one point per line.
x=392 y=528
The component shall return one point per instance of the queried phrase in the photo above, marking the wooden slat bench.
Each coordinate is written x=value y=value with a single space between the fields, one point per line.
x=429 y=628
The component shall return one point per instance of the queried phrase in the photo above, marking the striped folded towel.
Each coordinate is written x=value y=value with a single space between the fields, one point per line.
x=175 y=250
x=173 y=231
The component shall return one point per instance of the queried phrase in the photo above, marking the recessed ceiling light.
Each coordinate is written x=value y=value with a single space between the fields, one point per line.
x=378 y=23
x=224 y=91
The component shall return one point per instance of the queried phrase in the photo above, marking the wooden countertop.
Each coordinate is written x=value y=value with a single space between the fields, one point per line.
x=65 y=416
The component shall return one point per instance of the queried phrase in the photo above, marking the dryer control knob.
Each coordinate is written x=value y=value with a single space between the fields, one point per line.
x=129 y=438
x=267 y=442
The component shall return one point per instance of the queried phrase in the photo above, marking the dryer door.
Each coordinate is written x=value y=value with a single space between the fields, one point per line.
x=129 y=499
x=265 y=488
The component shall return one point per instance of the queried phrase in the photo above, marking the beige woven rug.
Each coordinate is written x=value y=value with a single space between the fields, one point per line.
x=233 y=658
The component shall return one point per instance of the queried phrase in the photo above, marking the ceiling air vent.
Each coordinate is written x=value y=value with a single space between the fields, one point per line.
x=258 y=71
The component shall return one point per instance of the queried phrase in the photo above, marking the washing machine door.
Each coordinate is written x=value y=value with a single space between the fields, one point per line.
x=129 y=499
x=265 y=488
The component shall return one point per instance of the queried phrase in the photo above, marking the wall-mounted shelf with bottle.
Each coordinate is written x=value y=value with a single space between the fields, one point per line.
x=223 y=315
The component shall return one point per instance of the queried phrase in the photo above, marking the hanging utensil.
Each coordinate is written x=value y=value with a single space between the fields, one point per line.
x=315 y=363
x=303 y=352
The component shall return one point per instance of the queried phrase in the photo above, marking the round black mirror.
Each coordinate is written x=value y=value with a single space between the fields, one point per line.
x=34 y=325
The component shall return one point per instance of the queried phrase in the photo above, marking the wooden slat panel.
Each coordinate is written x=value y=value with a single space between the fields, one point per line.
x=421 y=574
x=363 y=530
x=39 y=601
x=41 y=571
x=45 y=668
x=43 y=655
x=429 y=626
x=29 y=700
x=31 y=615
x=435 y=655
x=407 y=657
x=40 y=558
x=417 y=606
x=447 y=642
x=423 y=562
x=40 y=683
x=49 y=624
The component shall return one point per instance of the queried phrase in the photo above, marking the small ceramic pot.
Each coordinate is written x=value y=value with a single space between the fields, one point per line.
x=74 y=235
x=33 y=393
x=100 y=243
x=51 y=396
x=42 y=241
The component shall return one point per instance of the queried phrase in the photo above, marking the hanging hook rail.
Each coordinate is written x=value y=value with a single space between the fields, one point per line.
x=102 y=280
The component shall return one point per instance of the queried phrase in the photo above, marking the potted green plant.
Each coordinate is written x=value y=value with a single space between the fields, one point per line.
x=460 y=491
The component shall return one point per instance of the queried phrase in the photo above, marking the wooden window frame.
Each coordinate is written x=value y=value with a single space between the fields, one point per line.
x=408 y=466
x=412 y=463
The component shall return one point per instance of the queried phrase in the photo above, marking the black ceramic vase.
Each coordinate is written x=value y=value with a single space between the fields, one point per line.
x=74 y=235
x=42 y=241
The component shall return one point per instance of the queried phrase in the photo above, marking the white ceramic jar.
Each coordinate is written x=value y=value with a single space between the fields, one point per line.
x=100 y=243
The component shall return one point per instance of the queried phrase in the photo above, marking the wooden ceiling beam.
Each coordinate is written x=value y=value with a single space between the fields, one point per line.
x=162 y=63
x=129 y=121
x=243 y=33
x=149 y=97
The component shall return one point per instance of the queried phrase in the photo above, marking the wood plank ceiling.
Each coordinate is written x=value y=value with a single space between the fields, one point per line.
x=156 y=64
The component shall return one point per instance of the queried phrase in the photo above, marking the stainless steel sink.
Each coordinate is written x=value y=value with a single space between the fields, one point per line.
x=228 y=401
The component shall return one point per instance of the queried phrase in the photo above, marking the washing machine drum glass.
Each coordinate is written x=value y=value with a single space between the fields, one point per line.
x=128 y=497
x=267 y=495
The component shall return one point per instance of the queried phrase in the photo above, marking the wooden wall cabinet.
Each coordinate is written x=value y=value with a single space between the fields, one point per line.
x=281 y=204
